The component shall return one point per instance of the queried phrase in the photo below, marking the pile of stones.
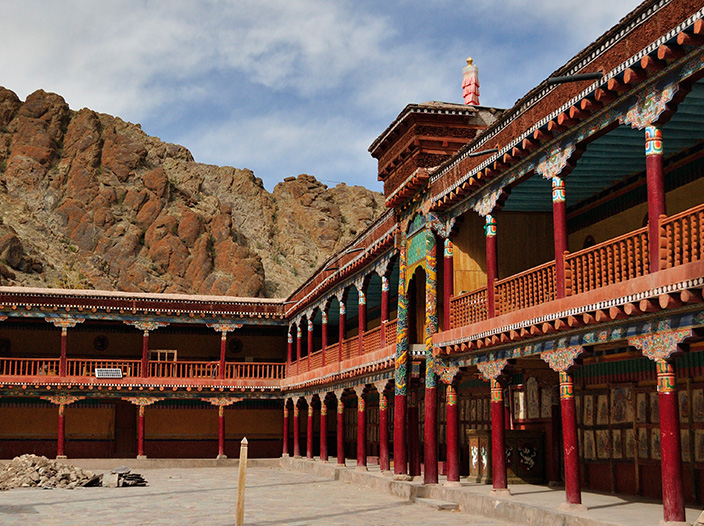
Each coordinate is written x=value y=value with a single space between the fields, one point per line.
x=122 y=476
x=30 y=471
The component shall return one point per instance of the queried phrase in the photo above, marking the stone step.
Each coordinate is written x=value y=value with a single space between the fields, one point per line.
x=437 y=504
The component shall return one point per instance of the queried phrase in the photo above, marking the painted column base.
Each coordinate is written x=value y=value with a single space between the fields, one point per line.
x=501 y=492
x=221 y=457
x=452 y=484
x=673 y=523
x=361 y=468
x=61 y=457
x=569 y=506
x=285 y=455
x=141 y=457
x=403 y=477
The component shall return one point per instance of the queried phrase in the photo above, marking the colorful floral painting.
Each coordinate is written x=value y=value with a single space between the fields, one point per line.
x=602 y=412
x=589 y=410
x=641 y=408
x=589 y=448
x=655 y=443
x=698 y=405
x=630 y=443
x=621 y=405
x=603 y=443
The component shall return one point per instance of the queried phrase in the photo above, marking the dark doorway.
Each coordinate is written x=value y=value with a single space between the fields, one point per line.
x=125 y=430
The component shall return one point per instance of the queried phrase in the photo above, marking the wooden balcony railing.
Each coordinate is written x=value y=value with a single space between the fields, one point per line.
x=332 y=353
x=372 y=340
x=527 y=289
x=78 y=367
x=468 y=307
x=350 y=348
x=301 y=366
x=682 y=237
x=614 y=261
x=29 y=366
x=81 y=367
x=391 y=332
x=315 y=360
x=255 y=370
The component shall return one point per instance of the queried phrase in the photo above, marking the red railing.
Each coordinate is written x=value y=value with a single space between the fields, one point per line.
x=316 y=360
x=372 y=340
x=614 y=261
x=183 y=369
x=682 y=237
x=81 y=367
x=331 y=353
x=301 y=366
x=468 y=307
x=527 y=289
x=391 y=332
x=255 y=370
x=29 y=366
x=350 y=348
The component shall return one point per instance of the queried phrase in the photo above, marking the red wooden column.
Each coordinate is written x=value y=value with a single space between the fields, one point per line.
x=492 y=269
x=361 y=430
x=62 y=401
x=324 y=344
x=64 y=323
x=362 y=317
x=660 y=347
x=309 y=430
x=656 y=192
x=561 y=359
x=296 y=430
x=383 y=427
x=341 y=327
x=310 y=338
x=284 y=452
x=289 y=351
x=323 y=429
x=452 y=425
x=384 y=307
x=430 y=429
x=299 y=335
x=141 y=402
x=223 y=329
x=221 y=432
x=413 y=434
x=340 y=430
x=448 y=274
x=559 y=215
x=498 y=439
x=146 y=327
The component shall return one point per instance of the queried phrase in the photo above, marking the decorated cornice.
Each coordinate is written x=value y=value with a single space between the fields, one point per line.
x=492 y=369
x=224 y=328
x=650 y=107
x=562 y=358
x=64 y=321
x=660 y=344
x=146 y=325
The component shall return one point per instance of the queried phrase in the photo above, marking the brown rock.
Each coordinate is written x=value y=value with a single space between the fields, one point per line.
x=11 y=250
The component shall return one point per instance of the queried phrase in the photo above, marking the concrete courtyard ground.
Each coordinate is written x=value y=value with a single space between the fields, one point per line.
x=299 y=492
x=207 y=496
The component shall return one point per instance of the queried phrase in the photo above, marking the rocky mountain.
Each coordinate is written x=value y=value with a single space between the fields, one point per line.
x=90 y=201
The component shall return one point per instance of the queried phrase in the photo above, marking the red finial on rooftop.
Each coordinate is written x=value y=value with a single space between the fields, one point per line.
x=470 y=83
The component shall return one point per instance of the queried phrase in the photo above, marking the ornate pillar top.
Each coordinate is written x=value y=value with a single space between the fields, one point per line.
x=224 y=327
x=146 y=325
x=649 y=107
x=62 y=399
x=562 y=358
x=446 y=373
x=555 y=162
x=659 y=346
x=64 y=322
x=142 y=400
x=223 y=401
x=491 y=370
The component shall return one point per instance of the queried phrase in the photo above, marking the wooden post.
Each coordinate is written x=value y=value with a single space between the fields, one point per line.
x=310 y=341
x=145 y=354
x=498 y=443
x=284 y=452
x=361 y=432
x=340 y=330
x=448 y=274
x=62 y=358
x=383 y=431
x=362 y=319
x=656 y=191
x=299 y=335
x=323 y=429
x=573 y=487
x=223 y=348
x=324 y=337
x=560 y=233
x=61 y=435
x=309 y=430
x=492 y=268
x=384 y=307
x=340 y=430
x=296 y=431
x=221 y=432
x=289 y=352
x=239 y=520
x=140 y=433
x=452 y=439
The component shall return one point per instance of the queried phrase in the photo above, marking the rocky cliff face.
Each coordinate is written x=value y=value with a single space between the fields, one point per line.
x=90 y=201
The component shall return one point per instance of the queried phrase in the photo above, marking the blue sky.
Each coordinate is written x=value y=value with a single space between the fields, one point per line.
x=284 y=87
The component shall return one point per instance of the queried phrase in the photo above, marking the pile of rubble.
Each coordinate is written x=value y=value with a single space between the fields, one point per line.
x=29 y=471
x=122 y=476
